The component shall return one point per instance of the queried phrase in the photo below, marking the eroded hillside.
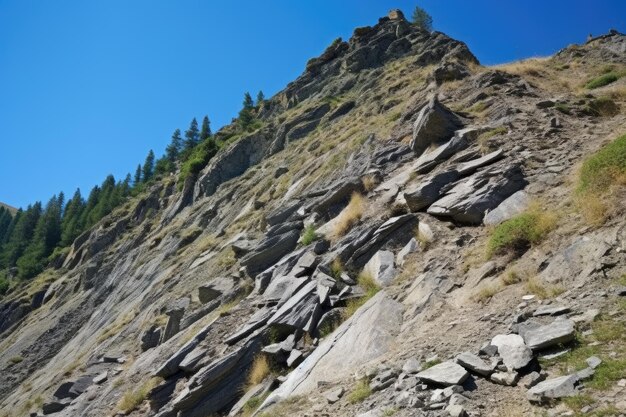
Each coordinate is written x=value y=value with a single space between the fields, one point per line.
x=406 y=233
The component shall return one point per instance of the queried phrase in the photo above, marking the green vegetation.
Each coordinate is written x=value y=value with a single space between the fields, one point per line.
x=563 y=108
x=431 y=363
x=605 y=168
x=422 y=19
x=578 y=402
x=601 y=106
x=309 y=235
x=16 y=359
x=601 y=173
x=602 y=80
x=371 y=288
x=198 y=158
x=253 y=404
x=520 y=232
x=360 y=392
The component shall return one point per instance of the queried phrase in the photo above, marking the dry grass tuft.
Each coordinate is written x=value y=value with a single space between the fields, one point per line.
x=133 y=398
x=259 y=370
x=486 y=292
x=543 y=290
x=349 y=216
x=369 y=182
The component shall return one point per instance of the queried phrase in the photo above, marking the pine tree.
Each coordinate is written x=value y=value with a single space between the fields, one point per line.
x=422 y=19
x=247 y=101
x=260 y=98
x=5 y=222
x=137 y=179
x=205 y=130
x=70 y=225
x=148 y=167
x=191 y=135
x=173 y=149
x=246 y=117
x=21 y=235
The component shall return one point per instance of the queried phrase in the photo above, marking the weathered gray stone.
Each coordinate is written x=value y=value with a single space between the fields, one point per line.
x=468 y=201
x=367 y=335
x=151 y=337
x=474 y=364
x=512 y=206
x=471 y=166
x=558 y=332
x=593 y=362
x=299 y=309
x=505 y=378
x=564 y=386
x=429 y=160
x=435 y=123
x=429 y=190
x=551 y=310
x=513 y=350
x=409 y=248
x=411 y=366
x=445 y=373
x=333 y=395
x=381 y=268
x=456 y=411
x=270 y=251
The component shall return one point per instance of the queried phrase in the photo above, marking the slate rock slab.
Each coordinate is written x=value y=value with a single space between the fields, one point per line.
x=558 y=332
x=446 y=373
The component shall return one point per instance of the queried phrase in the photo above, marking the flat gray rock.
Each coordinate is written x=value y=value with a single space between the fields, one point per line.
x=512 y=206
x=564 y=386
x=474 y=363
x=558 y=332
x=471 y=166
x=429 y=190
x=445 y=373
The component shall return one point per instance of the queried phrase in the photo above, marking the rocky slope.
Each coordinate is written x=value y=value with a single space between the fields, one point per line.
x=333 y=261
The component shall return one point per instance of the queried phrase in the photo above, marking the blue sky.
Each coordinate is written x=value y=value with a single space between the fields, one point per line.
x=88 y=87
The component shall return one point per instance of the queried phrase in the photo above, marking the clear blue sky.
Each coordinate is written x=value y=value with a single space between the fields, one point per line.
x=87 y=87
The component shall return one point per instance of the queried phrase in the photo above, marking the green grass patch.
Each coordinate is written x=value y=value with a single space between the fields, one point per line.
x=520 y=232
x=431 y=363
x=602 y=80
x=371 y=288
x=603 y=169
x=360 y=392
x=309 y=235
x=563 y=108
x=578 y=402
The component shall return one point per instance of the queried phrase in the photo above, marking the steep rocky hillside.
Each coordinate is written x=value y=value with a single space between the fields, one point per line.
x=406 y=233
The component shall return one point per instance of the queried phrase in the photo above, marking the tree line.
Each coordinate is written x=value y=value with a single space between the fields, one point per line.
x=38 y=234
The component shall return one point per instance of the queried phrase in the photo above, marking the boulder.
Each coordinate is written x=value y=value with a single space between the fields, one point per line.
x=468 y=201
x=333 y=395
x=508 y=379
x=512 y=206
x=429 y=190
x=446 y=373
x=269 y=251
x=474 y=363
x=564 y=386
x=175 y=312
x=558 y=332
x=299 y=310
x=435 y=123
x=151 y=337
x=381 y=267
x=365 y=336
x=513 y=350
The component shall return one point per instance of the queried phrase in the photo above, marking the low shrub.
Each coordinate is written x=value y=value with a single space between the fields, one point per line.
x=259 y=370
x=309 y=235
x=360 y=392
x=133 y=398
x=520 y=232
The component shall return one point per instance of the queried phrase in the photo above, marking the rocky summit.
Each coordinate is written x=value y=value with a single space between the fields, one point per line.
x=403 y=232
